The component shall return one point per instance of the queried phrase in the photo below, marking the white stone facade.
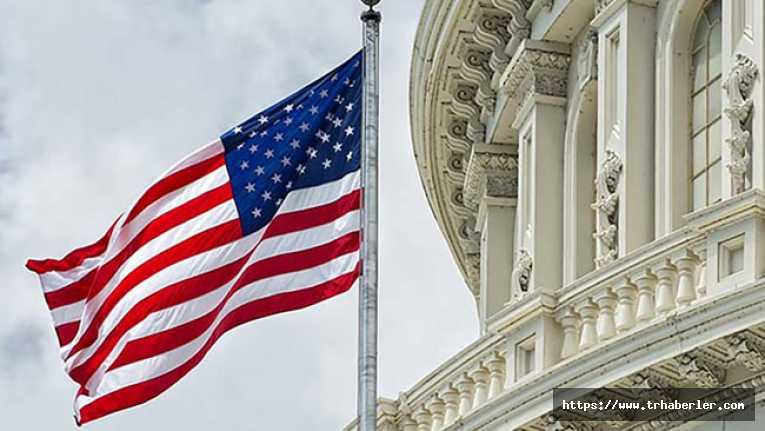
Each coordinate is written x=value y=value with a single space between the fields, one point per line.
x=598 y=170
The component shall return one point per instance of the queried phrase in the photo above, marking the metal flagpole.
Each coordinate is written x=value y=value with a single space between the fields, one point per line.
x=367 y=372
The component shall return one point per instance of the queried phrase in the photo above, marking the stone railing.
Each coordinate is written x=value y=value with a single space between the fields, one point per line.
x=649 y=284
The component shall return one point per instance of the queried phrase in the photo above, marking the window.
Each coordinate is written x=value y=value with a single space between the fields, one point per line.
x=706 y=171
x=525 y=357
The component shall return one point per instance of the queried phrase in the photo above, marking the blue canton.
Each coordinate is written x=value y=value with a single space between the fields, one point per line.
x=310 y=138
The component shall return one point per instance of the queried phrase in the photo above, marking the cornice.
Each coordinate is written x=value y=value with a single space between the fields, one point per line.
x=461 y=51
x=491 y=171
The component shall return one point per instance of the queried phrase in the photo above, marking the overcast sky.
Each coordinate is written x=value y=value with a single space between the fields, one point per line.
x=98 y=98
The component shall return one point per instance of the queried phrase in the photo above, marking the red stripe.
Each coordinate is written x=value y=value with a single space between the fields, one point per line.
x=172 y=338
x=139 y=393
x=199 y=243
x=66 y=332
x=71 y=293
x=74 y=258
x=175 y=181
x=339 y=208
x=316 y=216
x=174 y=294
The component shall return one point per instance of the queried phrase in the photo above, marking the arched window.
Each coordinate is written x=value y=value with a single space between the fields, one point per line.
x=706 y=170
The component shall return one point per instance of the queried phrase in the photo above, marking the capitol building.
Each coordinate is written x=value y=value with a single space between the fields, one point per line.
x=597 y=168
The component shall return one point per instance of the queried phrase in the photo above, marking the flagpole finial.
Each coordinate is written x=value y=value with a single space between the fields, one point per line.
x=370 y=14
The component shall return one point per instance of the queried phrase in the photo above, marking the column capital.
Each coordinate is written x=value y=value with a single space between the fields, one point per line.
x=492 y=171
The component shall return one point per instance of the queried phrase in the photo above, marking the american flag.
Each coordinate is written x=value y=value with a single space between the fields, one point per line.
x=261 y=221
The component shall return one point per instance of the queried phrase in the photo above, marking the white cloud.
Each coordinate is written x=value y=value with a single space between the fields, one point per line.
x=98 y=98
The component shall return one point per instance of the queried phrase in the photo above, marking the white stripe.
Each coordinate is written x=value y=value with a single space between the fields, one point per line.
x=319 y=195
x=157 y=365
x=68 y=313
x=213 y=148
x=55 y=280
x=221 y=214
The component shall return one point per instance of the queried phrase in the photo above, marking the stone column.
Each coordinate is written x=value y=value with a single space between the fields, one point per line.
x=491 y=188
x=626 y=293
x=422 y=417
x=465 y=387
x=665 y=293
x=451 y=404
x=686 y=266
x=569 y=321
x=646 y=283
x=588 y=311
x=496 y=367
x=436 y=408
x=606 y=301
x=480 y=376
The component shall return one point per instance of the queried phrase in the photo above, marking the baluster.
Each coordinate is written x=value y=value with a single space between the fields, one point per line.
x=606 y=301
x=436 y=408
x=407 y=423
x=626 y=293
x=422 y=417
x=588 y=311
x=480 y=378
x=569 y=321
x=665 y=298
x=646 y=283
x=465 y=387
x=686 y=265
x=496 y=366
x=701 y=273
x=451 y=401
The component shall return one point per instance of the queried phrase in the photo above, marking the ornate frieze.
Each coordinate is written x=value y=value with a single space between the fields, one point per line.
x=607 y=208
x=747 y=350
x=539 y=68
x=700 y=372
x=492 y=171
x=738 y=87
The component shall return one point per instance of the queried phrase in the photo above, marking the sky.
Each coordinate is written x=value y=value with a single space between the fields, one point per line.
x=97 y=99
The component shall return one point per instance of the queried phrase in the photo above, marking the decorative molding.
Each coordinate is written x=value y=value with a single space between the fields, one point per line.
x=607 y=208
x=738 y=87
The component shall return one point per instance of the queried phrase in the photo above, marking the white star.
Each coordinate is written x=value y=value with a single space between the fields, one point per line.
x=349 y=107
x=237 y=130
x=327 y=163
x=276 y=178
x=278 y=201
x=338 y=122
x=264 y=133
x=288 y=121
x=349 y=156
x=338 y=146
x=253 y=134
x=314 y=110
x=244 y=165
x=266 y=195
x=295 y=144
x=311 y=152
x=256 y=212
x=323 y=93
x=356 y=64
x=348 y=131
x=301 y=169
x=323 y=136
x=288 y=185
x=279 y=137
x=334 y=77
x=269 y=153
x=329 y=116
x=250 y=187
x=289 y=107
x=304 y=127
x=253 y=148
x=339 y=99
x=240 y=146
x=286 y=161
x=260 y=171
x=263 y=119
x=347 y=81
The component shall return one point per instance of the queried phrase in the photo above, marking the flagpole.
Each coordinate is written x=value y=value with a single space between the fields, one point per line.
x=367 y=372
